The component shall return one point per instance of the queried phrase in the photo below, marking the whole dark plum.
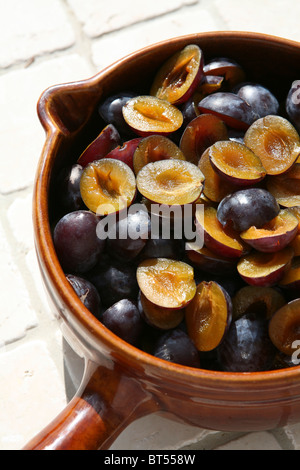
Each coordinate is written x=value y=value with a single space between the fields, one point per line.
x=115 y=281
x=247 y=346
x=129 y=235
x=111 y=111
x=87 y=293
x=75 y=239
x=292 y=104
x=123 y=319
x=69 y=189
x=247 y=207
x=176 y=346
x=260 y=98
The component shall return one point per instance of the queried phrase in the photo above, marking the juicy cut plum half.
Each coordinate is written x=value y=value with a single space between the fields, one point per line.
x=170 y=182
x=166 y=282
x=179 y=76
x=236 y=163
x=275 y=235
x=208 y=315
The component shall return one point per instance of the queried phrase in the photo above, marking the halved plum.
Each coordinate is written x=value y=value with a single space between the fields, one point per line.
x=108 y=139
x=159 y=317
x=265 y=269
x=148 y=115
x=179 y=76
x=286 y=187
x=153 y=149
x=166 y=282
x=295 y=210
x=201 y=133
x=125 y=152
x=225 y=242
x=295 y=244
x=232 y=72
x=107 y=186
x=208 y=316
x=273 y=236
x=275 y=141
x=236 y=163
x=291 y=278
x=215 y=187
x=229 y=107
x=284 y=328
x=207 y=260
x=170 y=182
x=246 y=207
x=264 y=301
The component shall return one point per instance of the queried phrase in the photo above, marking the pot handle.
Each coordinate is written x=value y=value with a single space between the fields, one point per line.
x=105 y=404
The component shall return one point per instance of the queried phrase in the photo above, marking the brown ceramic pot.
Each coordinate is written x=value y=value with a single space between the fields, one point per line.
x=122 y=383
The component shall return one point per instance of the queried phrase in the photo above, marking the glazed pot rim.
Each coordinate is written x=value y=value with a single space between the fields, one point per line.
x=76 y=311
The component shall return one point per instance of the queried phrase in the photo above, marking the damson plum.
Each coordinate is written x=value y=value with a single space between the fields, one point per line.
x=265 y=269
x=129 y=235
x=166 y=283
x=286 y=187
x=208 y=316
x=153 y=149
x=76 y=243
x=176 y=346
x=236 y=163
x=159 y=317
x=226 y=242
x=201 y=133
x=107 y=186
x=179 y=76
x=232 y=72
x=170 y=182
x=114 y=281
x=284 y=328
x=229 y=107
x=264 y=301
x=108 y=139
x=147 y=115
x=275 y=141
x=246 y=207
x=247 y=346
x=111 y=111
x=273 y=236
x=260 y=98
x=87 y=293
x=124 y=320
x=292 y=104
x=215 y=187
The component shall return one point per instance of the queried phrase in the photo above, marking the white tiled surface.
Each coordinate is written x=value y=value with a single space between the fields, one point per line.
x=43 y=43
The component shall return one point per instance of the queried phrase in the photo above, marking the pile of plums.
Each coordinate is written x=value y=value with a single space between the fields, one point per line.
x=204 y=138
